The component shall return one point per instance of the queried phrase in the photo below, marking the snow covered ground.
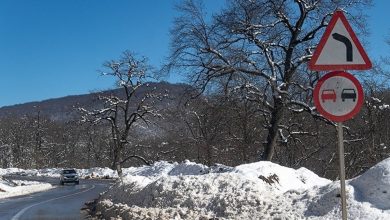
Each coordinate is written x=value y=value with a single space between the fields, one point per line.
x=261 y=190
x=20 y=187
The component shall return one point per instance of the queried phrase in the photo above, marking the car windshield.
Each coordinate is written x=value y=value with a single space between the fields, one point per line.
x=68 y=171
x=349 y=90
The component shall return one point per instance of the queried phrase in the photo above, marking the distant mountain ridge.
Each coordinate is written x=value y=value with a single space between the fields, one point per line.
x=64 y=108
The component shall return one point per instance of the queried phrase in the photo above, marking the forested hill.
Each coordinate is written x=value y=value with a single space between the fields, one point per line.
x=64 y=108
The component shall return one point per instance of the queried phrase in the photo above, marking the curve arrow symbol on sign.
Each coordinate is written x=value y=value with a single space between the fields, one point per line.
x=347 y=43
x=331 y=55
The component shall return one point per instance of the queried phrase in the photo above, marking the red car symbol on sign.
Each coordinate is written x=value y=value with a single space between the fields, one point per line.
x=328 y=94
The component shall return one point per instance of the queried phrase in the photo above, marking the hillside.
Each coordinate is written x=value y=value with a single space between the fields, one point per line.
x=64 y=108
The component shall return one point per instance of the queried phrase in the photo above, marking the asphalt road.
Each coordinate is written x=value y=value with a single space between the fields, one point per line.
x=62 y=202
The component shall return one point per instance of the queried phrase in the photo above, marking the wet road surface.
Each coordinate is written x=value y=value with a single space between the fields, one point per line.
x=61 y=202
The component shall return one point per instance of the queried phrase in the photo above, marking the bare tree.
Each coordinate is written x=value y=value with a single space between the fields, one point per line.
x=205 y=126
x=122 y=111
x=259 y=45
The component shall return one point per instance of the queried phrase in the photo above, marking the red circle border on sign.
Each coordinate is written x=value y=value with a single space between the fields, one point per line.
x=355 y=110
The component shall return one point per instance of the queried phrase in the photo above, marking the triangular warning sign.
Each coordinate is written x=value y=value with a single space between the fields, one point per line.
x=339 y=48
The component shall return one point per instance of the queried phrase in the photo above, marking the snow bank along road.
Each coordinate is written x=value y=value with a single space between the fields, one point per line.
x=61 y=202
x=260 y=190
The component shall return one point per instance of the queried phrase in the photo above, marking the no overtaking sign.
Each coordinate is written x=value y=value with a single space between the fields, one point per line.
x=338 y=96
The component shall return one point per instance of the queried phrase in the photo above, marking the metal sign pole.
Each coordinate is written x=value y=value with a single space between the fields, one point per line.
x=327 y=57
x=342 y=170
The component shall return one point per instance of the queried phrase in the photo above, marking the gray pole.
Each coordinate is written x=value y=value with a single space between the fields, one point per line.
x=342 y=170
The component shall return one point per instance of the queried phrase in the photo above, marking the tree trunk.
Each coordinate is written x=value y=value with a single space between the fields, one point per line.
x=118 y=162
x=119 y=169
x=209 y=154
x=276 y=117
x=244 y=154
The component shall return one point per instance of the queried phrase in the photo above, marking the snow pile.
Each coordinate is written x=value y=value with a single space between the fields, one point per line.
x=250 y=191
x=158 y=169
x=324 y=203
x=187 y=197
x=195 y=191
x=8 y=171
x=19 y=187
x=97 y=172
x=47 y=172
x=188 y=168
x=374 y=185
x=287 y=178
x=368 y=196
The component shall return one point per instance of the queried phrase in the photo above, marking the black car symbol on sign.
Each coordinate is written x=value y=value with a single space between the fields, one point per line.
x=348 y=94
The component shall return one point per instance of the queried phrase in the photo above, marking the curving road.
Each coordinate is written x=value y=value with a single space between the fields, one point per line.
x=62 y=202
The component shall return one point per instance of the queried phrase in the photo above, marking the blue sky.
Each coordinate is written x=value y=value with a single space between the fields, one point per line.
x=53 y=48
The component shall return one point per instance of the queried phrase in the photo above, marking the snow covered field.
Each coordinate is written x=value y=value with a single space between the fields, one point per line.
x=261 y=190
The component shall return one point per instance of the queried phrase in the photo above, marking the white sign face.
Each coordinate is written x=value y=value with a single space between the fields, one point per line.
x=338 y=96
x=338 y=46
